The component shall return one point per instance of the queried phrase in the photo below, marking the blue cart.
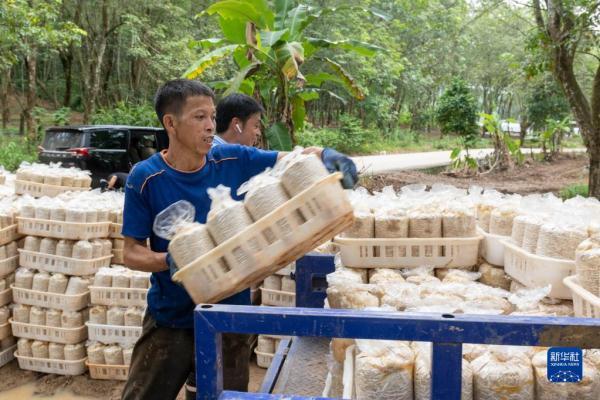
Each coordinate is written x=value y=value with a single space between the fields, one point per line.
x=298 y=369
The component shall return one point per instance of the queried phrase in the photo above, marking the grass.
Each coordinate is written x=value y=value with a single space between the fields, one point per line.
x=574 y=190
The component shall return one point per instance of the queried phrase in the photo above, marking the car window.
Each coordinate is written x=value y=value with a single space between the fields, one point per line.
x=108 y=139
x=62 y=140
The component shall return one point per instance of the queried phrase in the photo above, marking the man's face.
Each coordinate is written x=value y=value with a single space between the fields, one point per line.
x=250 y=130
x=194 y=127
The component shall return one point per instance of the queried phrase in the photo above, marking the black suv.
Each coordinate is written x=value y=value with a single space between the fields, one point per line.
x=101 y=149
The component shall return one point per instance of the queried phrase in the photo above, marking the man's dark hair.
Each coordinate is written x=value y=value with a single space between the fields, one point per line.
x=171 y=96
x=236 y=105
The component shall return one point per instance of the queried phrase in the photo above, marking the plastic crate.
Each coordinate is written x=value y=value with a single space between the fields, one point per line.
x=117 y=256
x=537 y=271
x=492 y=248
x=287 y=270
x=5 y=331
x=8 y=265
x=7 y=355
x=409 y=252
x=263 y=360
x=9 y=234
x=109 y=334
x=115 y=231
x=6 y=297
x=63 y=302
x=36 y=189
x=63 y=230
x=585 y=304
x=278 y=298
x=111 y=296
x=46 y=365
x=64 y=265
x=108 y=372
x=49 y=333
x=270 y=243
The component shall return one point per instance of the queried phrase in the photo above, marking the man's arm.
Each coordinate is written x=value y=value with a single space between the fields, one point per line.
x=139 y=257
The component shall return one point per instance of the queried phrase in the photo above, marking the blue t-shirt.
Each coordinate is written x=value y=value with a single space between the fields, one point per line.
x=153 y=185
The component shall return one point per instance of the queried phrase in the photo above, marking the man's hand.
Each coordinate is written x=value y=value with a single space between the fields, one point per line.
x=335 y=161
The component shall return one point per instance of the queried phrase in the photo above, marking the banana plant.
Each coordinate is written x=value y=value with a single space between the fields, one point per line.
x=267 y=41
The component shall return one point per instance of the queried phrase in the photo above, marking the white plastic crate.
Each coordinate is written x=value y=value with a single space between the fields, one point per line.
x=118 y=256
x=114 y=334
x=108 y=372
x=6 y=297
x=532 y=270
x=64 y=265
x=409 y=252
x=36 y=189
x=49 y=333
x=270 y=243
x=278 y=298
x=46 y=365
x=111 y=296
x=287 y=270
x=263 y=360
x=9 y=234
x=8 y=265
x=7 y=355
x=63 y=230
x=5 y=331
x=115 y=231
x=492 y=247
x=585 y=304
x=51 y=300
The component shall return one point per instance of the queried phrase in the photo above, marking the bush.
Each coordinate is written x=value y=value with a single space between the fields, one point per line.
x=127 y=114
x=574 y=190
x=15 y=151
x=350 y=137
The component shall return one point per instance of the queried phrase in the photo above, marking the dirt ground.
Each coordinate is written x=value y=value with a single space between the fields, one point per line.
x=82 y=386
x=532 y=176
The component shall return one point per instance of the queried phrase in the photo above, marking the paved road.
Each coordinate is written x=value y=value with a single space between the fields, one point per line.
x=397 y=162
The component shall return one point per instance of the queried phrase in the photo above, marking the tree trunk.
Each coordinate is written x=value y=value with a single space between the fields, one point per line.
x=594 y=180
x=67 y=62
x=31 y=61
x=4 y=96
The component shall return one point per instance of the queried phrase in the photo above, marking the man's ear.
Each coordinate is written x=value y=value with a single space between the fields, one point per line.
x=169 y=123
x=234 y=121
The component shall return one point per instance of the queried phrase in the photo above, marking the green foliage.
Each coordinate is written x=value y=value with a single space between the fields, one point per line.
x=350 y=137
x=15 y=150
x=552 y=137
x=269 y=46
x=505 y=147
x=457 y=113
x=574 y=190
x=127 y=114
x=546 y=101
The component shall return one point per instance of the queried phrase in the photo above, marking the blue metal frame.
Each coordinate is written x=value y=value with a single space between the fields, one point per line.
x=448 y=332
x=311 y=282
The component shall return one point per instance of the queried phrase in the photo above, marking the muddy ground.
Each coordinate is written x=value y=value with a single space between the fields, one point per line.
x=533 y=176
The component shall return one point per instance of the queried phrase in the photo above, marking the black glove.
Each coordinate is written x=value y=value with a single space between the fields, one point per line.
x=335 y=161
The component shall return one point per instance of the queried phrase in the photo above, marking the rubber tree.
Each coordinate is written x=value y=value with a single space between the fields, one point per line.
x=567 y=30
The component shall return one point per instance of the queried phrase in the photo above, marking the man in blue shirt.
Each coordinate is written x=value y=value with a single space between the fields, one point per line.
x=238 y=120
x=163 y=357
